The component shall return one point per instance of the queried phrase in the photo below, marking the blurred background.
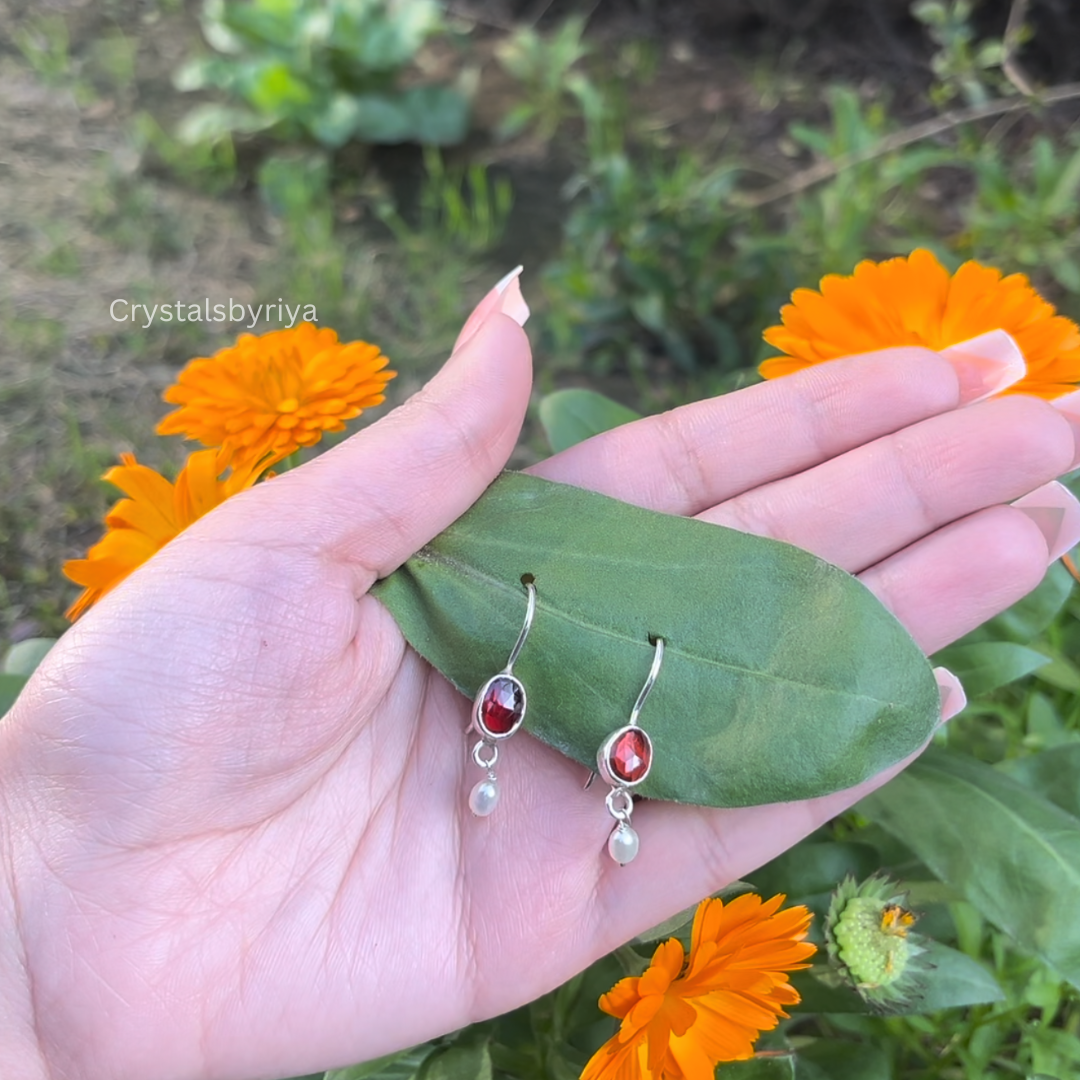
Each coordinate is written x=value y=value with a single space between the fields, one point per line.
x=666 y=170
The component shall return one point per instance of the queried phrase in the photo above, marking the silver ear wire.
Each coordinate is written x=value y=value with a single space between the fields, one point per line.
x=498 y=711
x=624 y=760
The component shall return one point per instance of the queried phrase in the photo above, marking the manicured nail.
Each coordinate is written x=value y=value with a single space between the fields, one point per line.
x=986 y=365
x=953 y=698
x=1069 y=407
x=505 y=297
x=1054 y=508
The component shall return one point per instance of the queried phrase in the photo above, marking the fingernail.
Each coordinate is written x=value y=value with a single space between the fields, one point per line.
x=505 y=297
x=953 y=698
x=1054 y=508
x=1069 y=407
x=986 y=365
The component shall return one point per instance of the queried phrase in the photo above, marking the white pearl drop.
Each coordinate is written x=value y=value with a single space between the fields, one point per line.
x=484 y=797
x=623 y=844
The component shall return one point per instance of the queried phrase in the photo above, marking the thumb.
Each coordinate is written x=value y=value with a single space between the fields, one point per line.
x=379 y=496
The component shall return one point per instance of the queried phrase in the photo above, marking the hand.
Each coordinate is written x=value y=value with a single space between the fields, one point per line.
x=235 y=834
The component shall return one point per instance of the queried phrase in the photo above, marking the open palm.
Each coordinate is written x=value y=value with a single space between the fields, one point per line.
x=236 y=800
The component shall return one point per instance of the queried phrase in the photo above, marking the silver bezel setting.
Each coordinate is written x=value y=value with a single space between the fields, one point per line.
x=478 y=723
x=608 y=745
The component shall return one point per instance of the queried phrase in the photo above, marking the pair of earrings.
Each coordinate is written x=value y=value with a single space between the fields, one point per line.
x=623 y=760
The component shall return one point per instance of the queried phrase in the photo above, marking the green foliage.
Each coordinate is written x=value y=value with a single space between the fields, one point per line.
x=1020 y=867
x=463 y=209
x=964 y=67
x=572 y=416
x=18 y=665
x=322 y=71
x=643 y=269
x=44 y=43
x=544 y=66
x=1025 y=213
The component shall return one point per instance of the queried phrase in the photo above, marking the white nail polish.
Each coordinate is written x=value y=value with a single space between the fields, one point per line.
x=1056 y=512
x=986 y=365
x=953 y=697
x=511 y=302
x=503 y=282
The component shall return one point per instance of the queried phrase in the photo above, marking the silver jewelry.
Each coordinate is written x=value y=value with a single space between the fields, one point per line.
x=498 y=711
x=624 y=760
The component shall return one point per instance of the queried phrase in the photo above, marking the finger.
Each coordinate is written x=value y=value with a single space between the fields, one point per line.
x=691 y=458
x=376 y=498
x=859 y=508
x=955 y=579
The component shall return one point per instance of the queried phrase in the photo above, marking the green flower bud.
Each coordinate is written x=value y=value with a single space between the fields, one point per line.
x=870 y=943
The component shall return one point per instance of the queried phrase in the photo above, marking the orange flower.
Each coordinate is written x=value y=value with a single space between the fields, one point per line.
x=916 y=301
x=679 y=1022
x=275 y=393
x=156 y=511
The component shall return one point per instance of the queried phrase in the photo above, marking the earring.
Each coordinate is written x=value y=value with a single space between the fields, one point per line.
x=498 y=711
x=624 y=760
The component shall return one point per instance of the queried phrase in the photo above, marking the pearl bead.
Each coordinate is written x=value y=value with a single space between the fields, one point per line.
x=623 y=845
x=484 y=797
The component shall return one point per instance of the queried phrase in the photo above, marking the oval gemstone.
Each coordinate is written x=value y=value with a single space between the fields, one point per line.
x=630 y=756
x=502 y=706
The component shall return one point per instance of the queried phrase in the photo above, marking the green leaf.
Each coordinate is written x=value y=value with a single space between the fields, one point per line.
x=1029 y=617
x=459 y=1062
x=772 y=687
x=1060 y=672
x=986 y=665
x=439 y=115
x=10 y=688
x=838 y=1059
x=24 y=656
x=1014 y=855
x=572 y=416
x=955 y=981
x=400 y=1066
x=211 y=123
x=766 y=1065
x=1054 y=774
x=812 y=867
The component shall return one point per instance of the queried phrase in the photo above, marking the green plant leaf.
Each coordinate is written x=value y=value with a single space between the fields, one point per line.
x=772 y=688
x=438 y=115
x=24 y=656
x=468 y=1061
x=1029 y=617
x=1014 y=855
x=10 y=688
x=765 y=1065
x=572 y=416
x=838 y=1059
x=1054 y=774
x=400 y=1066
x=986 y=665
x=815 y=866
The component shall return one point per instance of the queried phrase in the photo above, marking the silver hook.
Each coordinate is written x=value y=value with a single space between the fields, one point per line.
x=658 y=659
x=530 y=611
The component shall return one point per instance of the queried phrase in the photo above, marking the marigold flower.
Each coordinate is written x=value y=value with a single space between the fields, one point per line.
x=679 y=1021
x=155 y=512
x=276 y=392
x=914 y=300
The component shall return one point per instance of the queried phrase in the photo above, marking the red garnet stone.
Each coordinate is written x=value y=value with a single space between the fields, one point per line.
x=503 y=706
x=630 y=756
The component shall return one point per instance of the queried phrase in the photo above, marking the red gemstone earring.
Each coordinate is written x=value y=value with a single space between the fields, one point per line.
x=498 y=711
x=624 y=760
